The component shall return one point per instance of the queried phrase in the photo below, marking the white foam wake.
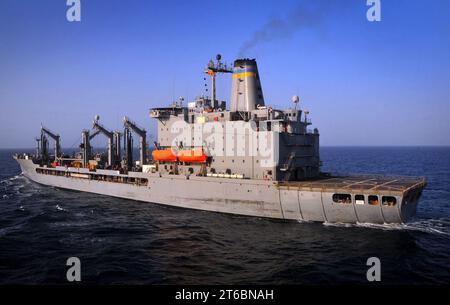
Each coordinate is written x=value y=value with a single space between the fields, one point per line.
x=432 y=226
x=59 y=208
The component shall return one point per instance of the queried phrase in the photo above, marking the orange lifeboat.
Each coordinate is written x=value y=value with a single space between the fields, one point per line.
x=165 y=155
x=192 y=155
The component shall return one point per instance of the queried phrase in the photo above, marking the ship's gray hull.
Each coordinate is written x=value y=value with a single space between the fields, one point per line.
x=237 y=196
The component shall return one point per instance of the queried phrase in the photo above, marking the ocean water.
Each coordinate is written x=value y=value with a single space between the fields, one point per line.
x=122 y=241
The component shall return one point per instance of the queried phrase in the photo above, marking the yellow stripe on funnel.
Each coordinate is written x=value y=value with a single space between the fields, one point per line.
x=238 y=75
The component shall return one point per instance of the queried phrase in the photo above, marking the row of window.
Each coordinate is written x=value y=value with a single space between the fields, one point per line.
x=360 y=199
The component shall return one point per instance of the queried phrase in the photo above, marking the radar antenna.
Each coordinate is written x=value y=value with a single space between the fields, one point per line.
x=296 y=101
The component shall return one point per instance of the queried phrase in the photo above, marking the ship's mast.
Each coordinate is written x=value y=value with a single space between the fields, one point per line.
x=212 y=69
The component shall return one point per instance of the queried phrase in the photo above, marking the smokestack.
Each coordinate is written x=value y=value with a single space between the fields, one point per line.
x=246 y=91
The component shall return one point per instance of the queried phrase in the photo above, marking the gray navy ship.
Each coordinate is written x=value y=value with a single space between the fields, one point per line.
x=250 y=159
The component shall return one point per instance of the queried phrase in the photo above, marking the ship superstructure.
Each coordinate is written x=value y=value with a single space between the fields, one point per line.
x=249 y=159
x=256 y=141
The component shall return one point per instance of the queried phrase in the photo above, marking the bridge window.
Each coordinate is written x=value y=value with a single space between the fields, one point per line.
x=359 y=199
x=342 y=198
x=373 y=200
x=389 y=200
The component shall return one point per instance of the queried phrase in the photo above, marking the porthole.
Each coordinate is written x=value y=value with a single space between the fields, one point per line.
x=342 y=198
x=389 y=201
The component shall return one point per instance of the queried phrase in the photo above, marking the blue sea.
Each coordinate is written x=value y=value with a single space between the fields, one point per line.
x=123 y=241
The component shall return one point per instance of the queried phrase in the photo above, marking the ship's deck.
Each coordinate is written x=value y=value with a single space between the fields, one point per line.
x=360 y=183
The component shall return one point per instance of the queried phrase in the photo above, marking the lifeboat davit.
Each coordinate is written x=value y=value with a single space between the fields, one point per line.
x=192 y=155
x=165 y=155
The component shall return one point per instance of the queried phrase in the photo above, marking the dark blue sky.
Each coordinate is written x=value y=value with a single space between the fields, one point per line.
x=381 y=83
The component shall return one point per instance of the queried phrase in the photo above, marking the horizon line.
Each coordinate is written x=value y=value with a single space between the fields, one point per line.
x=338 y=146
